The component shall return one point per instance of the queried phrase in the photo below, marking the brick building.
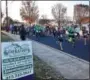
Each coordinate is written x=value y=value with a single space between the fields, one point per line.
x=81 y=11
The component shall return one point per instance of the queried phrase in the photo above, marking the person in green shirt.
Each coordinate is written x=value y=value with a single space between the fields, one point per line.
x=37 y=30
x=71 y=35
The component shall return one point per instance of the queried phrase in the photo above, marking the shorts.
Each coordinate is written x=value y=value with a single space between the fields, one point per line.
x=72 y=36
x=85 y=36
x=60 y=39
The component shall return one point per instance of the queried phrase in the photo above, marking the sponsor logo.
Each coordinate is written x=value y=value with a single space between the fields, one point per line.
x=15 y=49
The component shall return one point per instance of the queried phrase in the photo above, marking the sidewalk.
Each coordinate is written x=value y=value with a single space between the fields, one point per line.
x=65 y=64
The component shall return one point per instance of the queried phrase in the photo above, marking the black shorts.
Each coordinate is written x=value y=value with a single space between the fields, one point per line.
x=85 y=36
x=60 y=39
x=72 y=36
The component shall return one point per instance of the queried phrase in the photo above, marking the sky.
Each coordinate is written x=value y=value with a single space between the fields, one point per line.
x=43 y=6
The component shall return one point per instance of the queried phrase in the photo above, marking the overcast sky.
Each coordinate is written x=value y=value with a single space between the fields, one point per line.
x=44 y=8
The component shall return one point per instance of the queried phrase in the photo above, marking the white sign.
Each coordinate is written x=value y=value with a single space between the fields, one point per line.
x=17 y=59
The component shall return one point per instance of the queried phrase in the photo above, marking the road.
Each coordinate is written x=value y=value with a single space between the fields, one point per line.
x=80 y=50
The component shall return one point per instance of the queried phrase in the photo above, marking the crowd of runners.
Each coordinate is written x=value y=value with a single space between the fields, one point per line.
x=70 y=33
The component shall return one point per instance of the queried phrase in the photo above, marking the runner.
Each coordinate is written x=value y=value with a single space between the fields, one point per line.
x=37 y=31
x=71 y=35
x=60 y=38
x=77 y=31
x=85 y=35
x=54 y=32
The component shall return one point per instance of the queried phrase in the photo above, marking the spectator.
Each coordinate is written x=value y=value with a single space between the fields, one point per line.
x=22 y=33
x=16 y=29
x=11 y=28
x=7 y=28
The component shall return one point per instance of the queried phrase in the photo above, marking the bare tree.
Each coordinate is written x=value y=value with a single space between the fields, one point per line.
x=59 y=12
x=29 y=11
x=67 y=20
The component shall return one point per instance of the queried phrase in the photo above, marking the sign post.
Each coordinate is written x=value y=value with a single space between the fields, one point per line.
x=17 y=60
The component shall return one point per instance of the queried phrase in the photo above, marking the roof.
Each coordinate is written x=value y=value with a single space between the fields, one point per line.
x=82 y=5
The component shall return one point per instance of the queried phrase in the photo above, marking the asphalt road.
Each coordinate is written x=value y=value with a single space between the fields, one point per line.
x=80 y=50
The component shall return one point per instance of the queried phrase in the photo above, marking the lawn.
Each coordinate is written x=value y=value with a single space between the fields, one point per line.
x=5 y=38
x=44 y=72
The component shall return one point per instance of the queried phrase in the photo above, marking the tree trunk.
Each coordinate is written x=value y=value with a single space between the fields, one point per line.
x=30 y=23
x=80 y=25
x=79 y=22
x=59 y=25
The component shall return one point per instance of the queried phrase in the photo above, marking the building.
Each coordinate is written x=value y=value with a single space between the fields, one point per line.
x=85 y=22
x=80 y=11
x=53 y=22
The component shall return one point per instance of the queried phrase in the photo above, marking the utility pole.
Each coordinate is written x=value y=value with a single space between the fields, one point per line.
x=89 y=19
x=7 y=12
x=29 y=13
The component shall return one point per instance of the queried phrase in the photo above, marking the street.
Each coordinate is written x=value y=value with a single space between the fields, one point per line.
x=80 y=50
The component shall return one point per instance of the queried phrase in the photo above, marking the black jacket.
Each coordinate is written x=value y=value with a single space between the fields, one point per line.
x=23 y=34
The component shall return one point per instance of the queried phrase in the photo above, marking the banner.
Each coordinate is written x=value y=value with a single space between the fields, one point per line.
x=17 y=59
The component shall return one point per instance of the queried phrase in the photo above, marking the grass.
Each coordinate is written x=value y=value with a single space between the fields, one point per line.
x=44 y=71
x=5 y=38
x=41 y=69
